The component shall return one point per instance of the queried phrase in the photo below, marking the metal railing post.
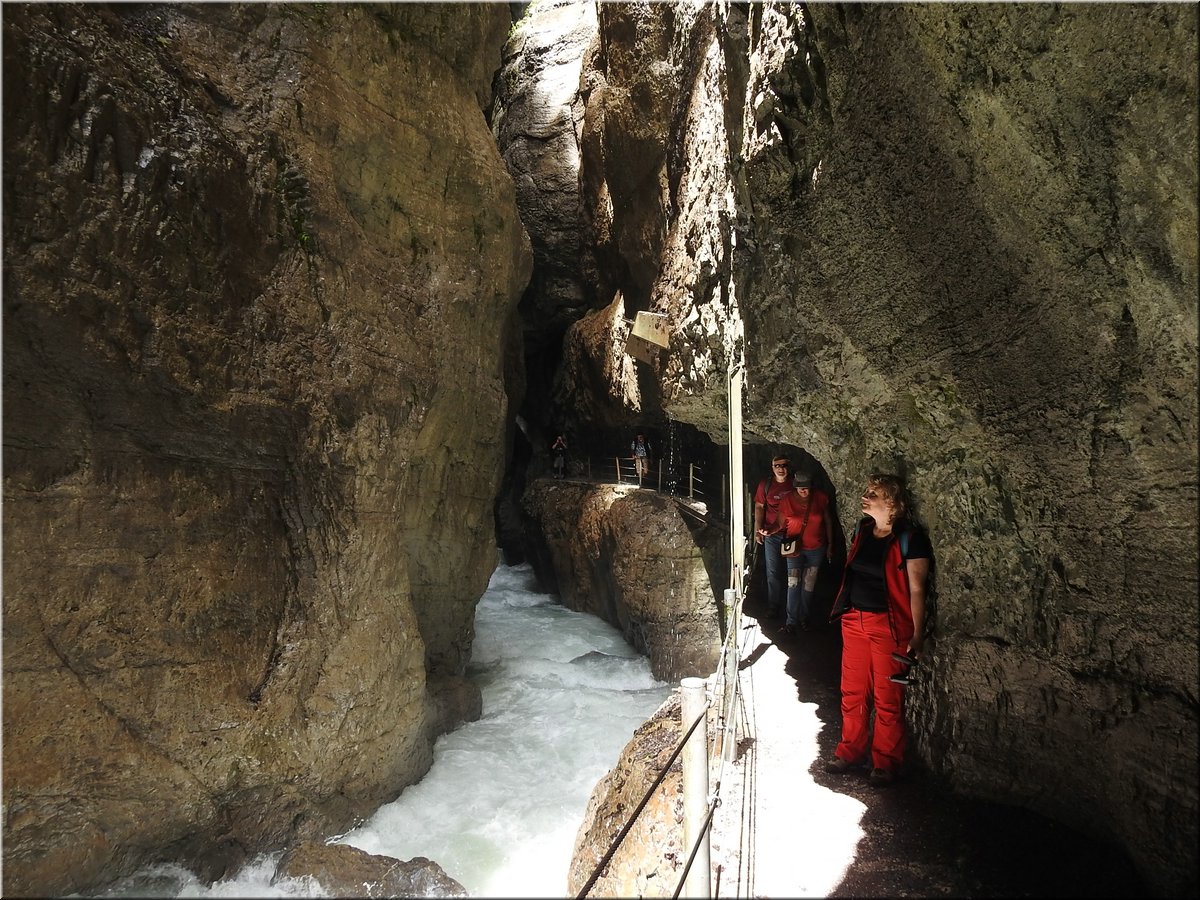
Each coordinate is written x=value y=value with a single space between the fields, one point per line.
x=695 y=789
x=728 y=737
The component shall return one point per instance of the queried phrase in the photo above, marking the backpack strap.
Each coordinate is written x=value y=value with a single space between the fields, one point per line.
x=853 y=535
x=903 y=536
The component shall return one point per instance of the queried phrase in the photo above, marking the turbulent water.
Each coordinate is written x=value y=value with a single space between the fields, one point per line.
x=562 y=694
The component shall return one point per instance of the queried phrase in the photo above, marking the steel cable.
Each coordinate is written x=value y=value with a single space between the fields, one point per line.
x=608 y=855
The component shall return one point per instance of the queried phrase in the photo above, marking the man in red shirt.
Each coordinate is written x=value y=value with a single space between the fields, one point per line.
x=768 y=529
x=806 y=520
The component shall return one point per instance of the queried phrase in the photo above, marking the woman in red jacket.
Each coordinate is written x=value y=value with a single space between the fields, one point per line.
x=882 y=606
x=806 y=521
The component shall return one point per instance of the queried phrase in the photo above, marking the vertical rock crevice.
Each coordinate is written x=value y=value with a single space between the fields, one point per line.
x=947 y=234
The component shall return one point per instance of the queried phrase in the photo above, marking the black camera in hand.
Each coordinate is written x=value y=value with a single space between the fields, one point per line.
x=904 y=677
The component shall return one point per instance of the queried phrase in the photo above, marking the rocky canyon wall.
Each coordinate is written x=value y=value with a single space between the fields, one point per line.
x=959 y=243
x=260 y=269
x=637 y=559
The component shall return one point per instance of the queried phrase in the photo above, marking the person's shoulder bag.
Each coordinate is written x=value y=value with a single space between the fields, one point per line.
x=792 y=548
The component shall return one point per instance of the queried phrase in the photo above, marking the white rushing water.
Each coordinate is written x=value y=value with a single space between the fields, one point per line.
x=499 y=810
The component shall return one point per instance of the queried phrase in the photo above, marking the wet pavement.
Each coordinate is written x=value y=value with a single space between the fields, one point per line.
x=913 y=839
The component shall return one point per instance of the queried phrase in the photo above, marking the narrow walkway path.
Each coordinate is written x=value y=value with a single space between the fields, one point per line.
x=805 y=833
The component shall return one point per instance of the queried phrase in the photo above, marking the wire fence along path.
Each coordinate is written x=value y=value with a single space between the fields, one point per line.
x=687 y=482
x=720 y=694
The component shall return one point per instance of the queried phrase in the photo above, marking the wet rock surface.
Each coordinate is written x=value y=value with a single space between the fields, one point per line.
x=345 y=871
x=633 y=558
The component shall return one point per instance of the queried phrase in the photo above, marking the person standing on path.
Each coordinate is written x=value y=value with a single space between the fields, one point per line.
x=806 y=524
x=640 y=447
x=881 y=604
x=768 y=530
x=559 y=449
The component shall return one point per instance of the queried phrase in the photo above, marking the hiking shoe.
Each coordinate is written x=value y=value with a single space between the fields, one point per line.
x=880 y=778
x=838 y=766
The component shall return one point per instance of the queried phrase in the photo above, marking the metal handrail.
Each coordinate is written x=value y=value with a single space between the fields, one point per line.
x=608 y=854
x=687 y=867
x=729 y=690
x=623 y=470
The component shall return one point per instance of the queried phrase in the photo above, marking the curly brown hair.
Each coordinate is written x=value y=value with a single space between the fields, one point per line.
x=892 y=489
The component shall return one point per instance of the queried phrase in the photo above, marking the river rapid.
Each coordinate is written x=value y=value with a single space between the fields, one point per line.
x=500 y=808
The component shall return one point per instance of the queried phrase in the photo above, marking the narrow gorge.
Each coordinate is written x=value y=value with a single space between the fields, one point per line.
x=297 y=296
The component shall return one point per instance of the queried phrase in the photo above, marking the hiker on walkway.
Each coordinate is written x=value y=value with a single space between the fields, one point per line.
x=882 y=607
x=808 y=542
x=640 y=448
x=768 y=530
x=559 y=449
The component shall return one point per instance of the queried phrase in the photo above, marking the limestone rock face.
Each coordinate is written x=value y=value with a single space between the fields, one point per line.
x=536 y=121
x=957 y=243
x=630 y=557
x=260 y=265
x=345 y=871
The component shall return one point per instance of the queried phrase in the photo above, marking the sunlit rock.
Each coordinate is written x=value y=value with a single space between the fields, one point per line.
x=648 y=860
x=260 y=267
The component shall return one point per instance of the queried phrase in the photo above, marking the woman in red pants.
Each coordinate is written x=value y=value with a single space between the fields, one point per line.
x=882 y=606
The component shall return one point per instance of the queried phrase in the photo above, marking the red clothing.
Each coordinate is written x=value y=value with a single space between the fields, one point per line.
x=867 y=647
x=792 y=512
x=868 y=641
x=769 y=494
x=895 y=573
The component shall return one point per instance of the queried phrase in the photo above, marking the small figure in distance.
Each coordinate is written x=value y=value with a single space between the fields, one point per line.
x=559 y=449
x=882 y=607
x=640 y=448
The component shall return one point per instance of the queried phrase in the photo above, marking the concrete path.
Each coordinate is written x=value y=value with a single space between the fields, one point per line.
x=800 y=835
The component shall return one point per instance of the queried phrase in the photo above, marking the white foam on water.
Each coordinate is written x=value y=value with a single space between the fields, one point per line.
x=562 y=694
x=254 y=880
x=499 y=810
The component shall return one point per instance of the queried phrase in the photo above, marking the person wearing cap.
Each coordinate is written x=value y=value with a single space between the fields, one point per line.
x=806 y=521
x=768 y=530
